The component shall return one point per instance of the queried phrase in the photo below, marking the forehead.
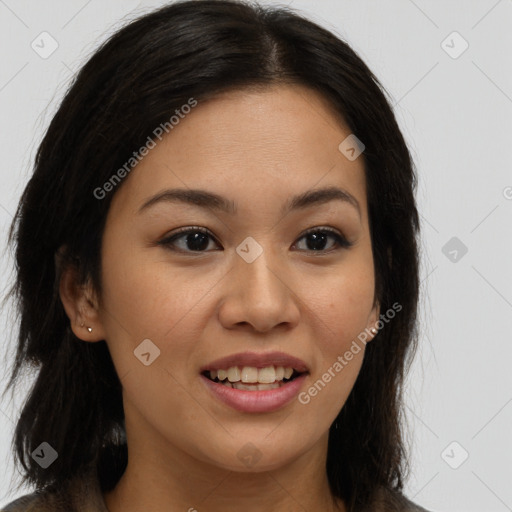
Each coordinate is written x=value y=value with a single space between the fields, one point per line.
x=253 y=146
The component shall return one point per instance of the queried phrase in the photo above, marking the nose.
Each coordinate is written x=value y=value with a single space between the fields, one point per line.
x=259 y=296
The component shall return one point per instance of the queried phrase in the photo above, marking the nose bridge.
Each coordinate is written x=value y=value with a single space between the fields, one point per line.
x=259 y=278
x=258 y=293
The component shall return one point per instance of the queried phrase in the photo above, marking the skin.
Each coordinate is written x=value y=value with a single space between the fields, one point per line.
x=257 y=148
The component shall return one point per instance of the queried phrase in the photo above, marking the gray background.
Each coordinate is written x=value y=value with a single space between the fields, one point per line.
x=455 y=112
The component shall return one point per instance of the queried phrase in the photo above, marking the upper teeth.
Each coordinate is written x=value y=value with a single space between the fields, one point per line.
x=250 y=374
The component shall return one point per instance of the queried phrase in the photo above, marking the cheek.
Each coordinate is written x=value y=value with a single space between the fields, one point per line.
x=338 y=314
x=147 y=298
x=151 y=296
x=341 y=304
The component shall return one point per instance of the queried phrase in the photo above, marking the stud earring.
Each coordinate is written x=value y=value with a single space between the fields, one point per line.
x=89 y=329
x=373 y=330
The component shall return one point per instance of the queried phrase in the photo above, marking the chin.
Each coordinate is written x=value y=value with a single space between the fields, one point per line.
x=254 y=457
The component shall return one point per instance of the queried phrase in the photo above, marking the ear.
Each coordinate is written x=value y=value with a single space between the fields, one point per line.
x=373 y=318
x=79 y=301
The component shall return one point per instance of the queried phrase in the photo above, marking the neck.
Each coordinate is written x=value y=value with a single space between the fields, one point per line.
x=161 y=477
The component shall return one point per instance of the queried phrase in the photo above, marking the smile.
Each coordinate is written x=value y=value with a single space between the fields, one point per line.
x=250 y=378
x=255 y=382
x=254 y=397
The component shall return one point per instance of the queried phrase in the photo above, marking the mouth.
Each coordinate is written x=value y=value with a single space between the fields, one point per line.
x=250 y=378
x=253 y=382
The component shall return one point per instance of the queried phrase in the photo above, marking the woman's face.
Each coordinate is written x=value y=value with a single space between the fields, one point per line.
x=254 y=283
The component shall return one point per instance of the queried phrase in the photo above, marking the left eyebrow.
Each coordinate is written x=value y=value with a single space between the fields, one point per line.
x=201 y=198
x=210 y=200
x=319 y=196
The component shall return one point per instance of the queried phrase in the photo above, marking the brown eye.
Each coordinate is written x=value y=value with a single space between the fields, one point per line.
x=195 y=239
x=317 y=239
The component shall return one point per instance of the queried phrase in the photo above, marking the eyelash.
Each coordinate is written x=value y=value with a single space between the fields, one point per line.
x=341 y=241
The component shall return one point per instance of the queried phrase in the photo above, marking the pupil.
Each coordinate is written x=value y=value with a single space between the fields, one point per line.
x=317 y=238
x=197 y=241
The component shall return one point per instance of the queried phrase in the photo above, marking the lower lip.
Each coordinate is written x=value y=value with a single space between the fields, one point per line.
x=256 y=401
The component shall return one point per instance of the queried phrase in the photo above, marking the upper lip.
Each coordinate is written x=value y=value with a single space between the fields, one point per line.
x=258 y=360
